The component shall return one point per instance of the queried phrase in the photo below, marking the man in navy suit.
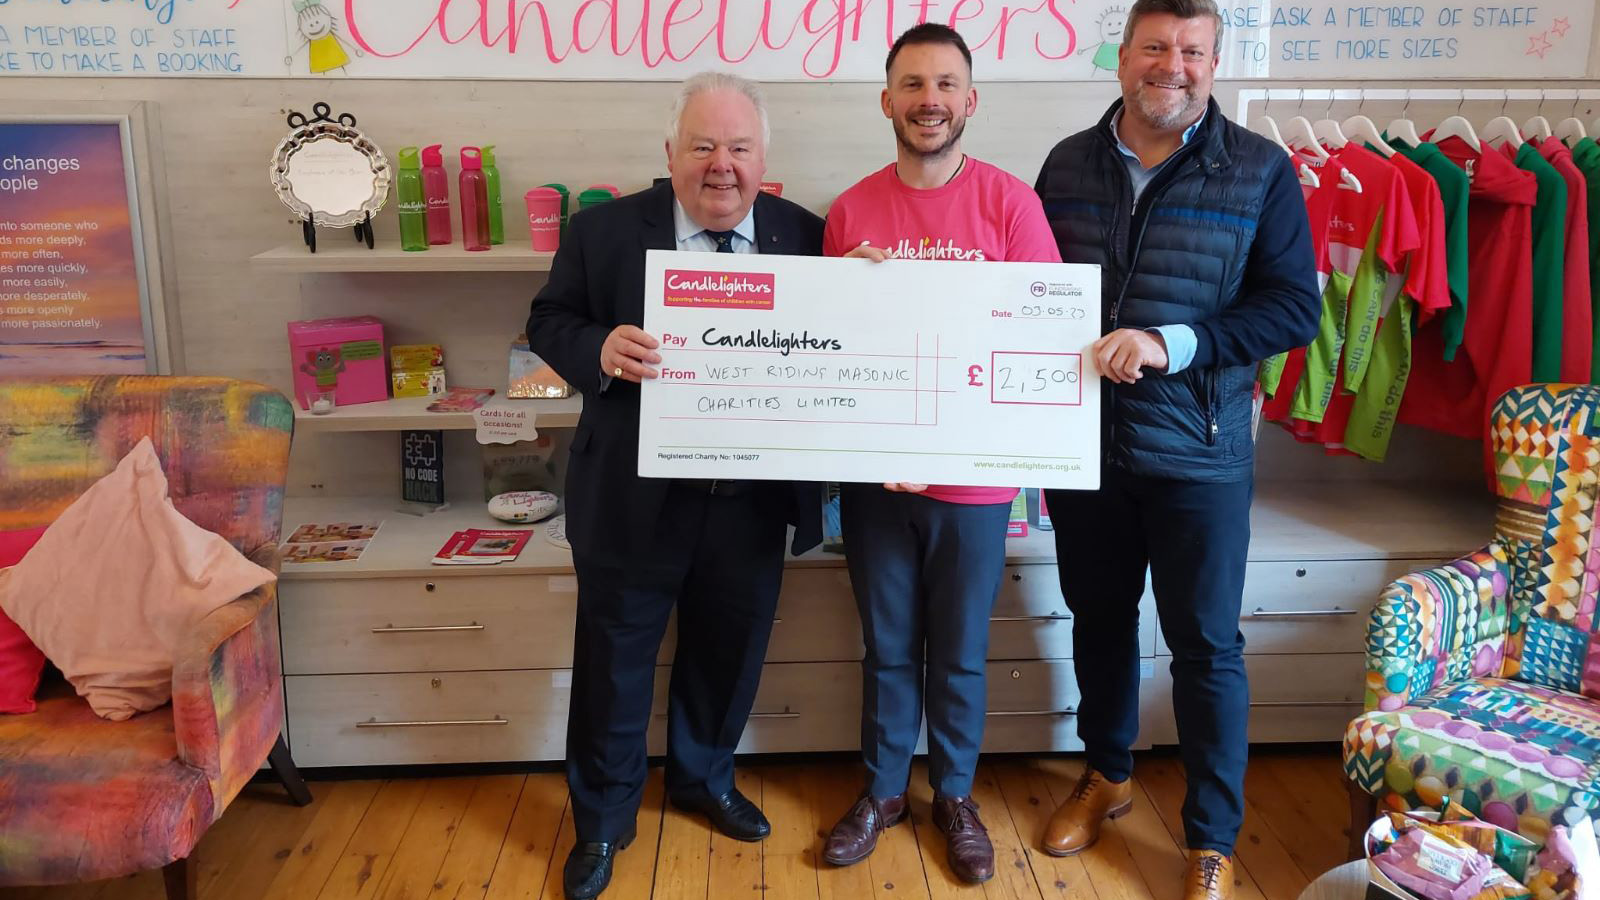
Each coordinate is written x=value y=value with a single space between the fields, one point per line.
x=713 y=549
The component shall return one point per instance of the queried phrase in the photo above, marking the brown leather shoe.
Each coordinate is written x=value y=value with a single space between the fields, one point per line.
x=971 y=854
x=1076 y=825
x=1209 y=877
x=856 y=835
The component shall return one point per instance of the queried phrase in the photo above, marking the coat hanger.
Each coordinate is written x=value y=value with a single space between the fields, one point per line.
x=1403 y=129
x=1361 y=129
x=1538 y=128
x=1327 y=129
x=1502 y=129
x=1571 y=129
x=1267 y=127
x=1298 y=134
x=1348 y=180
x=1457 y=126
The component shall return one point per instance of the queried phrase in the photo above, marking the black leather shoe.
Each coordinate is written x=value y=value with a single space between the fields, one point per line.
x=588 y=869
x=732 y=813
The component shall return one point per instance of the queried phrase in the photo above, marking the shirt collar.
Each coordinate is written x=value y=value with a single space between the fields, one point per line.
x=1188 y=133
x=686 y=228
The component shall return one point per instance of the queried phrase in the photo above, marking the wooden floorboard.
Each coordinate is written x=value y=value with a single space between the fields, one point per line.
x=506 y=837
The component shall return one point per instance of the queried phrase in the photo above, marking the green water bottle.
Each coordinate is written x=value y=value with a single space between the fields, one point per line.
x=497 y=222
x=413 y=209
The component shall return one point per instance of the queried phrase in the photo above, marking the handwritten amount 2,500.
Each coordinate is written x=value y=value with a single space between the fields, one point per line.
x=1038 y=381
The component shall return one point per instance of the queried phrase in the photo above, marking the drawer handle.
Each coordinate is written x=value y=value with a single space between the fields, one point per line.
x=419 y=629
x=786 y=714
x=1032 y=713
x=1292 y=704
x=1052 y=617
x=426 y=723
x=1261 y=613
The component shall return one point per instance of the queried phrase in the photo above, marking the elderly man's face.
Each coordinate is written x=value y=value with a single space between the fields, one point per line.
x=718 y=159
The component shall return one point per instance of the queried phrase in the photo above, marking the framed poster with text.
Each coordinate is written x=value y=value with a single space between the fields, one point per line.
x=74 y=294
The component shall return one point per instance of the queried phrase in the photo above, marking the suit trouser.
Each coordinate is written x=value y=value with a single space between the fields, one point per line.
x=719 y=560
x=925 y=574
x=1194 y=538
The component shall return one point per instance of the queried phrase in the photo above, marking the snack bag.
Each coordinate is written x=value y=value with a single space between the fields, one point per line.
x=1434 y=867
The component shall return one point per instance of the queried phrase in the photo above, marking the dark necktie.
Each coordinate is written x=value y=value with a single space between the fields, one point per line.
x=724 y=240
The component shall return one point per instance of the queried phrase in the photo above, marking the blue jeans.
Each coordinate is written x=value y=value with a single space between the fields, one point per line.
x=1194 y=538
x=925 y=575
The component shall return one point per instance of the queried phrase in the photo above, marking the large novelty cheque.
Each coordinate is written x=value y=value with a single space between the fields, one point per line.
x=818 y=369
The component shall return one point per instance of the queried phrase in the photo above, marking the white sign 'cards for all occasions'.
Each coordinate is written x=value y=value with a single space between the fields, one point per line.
x=819 y=369
x=769 y=40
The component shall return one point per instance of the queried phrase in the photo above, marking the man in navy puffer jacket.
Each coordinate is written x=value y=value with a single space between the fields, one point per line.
x=1200 y=231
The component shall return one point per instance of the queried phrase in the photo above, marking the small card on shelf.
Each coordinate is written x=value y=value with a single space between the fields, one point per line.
x=460 y=399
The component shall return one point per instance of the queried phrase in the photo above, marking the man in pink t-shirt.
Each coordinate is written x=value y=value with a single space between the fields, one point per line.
x=926 y=560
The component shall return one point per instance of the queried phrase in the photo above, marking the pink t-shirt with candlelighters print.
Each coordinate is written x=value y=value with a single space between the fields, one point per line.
x=984 y=213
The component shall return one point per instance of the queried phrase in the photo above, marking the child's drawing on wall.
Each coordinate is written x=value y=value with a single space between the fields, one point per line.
x=1111 y=24
x=319 y=35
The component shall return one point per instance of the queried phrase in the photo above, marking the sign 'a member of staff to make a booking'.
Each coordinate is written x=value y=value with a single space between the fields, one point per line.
x=770 y=40
x=823 y=369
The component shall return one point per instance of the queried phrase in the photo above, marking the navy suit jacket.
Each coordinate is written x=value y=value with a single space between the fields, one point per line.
x=597 y=283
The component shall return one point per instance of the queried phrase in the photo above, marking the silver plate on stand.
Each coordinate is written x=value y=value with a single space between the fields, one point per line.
x=329 y=172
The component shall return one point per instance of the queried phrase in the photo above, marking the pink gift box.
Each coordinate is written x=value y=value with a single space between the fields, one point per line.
x=343 y=355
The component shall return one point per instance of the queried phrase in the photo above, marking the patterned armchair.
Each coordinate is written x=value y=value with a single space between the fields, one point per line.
x=82 y=798
x=1483 y=676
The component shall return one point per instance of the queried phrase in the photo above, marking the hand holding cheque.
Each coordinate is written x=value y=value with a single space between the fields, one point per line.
x=908 y=371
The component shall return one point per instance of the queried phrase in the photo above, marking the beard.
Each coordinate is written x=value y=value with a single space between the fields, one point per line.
x=1168 y=113
x=902 y=133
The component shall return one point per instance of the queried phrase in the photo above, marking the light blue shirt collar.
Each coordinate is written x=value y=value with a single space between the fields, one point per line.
x=686 y=228
x=1116 y=132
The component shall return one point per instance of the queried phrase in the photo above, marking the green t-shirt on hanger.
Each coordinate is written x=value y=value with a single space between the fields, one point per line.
x=1454 y=188
x=1549 y=261
x=1587 y=155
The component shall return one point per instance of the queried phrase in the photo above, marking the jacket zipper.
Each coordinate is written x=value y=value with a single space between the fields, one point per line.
x=1149 y=199
x=1211 y=409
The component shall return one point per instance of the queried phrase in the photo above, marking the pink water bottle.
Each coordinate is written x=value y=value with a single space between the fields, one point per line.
x=436 y=193
x=474 y=200
x=544 y=218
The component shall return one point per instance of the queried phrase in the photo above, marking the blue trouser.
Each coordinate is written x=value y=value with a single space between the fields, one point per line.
x=1193 y=537
x=925 y=575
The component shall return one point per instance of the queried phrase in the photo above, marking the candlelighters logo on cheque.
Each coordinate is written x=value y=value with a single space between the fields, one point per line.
x=720 y=290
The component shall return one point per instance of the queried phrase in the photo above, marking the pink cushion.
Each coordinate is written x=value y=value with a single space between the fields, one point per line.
x=21 y=663
x=117 y=581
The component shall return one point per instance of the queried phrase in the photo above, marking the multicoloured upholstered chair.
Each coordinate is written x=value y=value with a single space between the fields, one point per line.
x=82 y=798
x=1483 y=676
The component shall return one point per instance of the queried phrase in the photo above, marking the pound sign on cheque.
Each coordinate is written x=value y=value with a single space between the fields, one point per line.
x=972 y=376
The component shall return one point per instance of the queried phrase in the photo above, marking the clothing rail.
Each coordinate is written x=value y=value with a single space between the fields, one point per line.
x=1391 y=95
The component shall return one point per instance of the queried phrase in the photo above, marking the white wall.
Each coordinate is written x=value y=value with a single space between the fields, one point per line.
x=215 y=137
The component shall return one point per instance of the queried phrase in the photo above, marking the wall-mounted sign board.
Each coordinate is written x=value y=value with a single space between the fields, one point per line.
x=74 y=293
x=774 y=40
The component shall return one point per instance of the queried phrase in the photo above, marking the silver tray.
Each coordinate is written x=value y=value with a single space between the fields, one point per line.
x=330 y=172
